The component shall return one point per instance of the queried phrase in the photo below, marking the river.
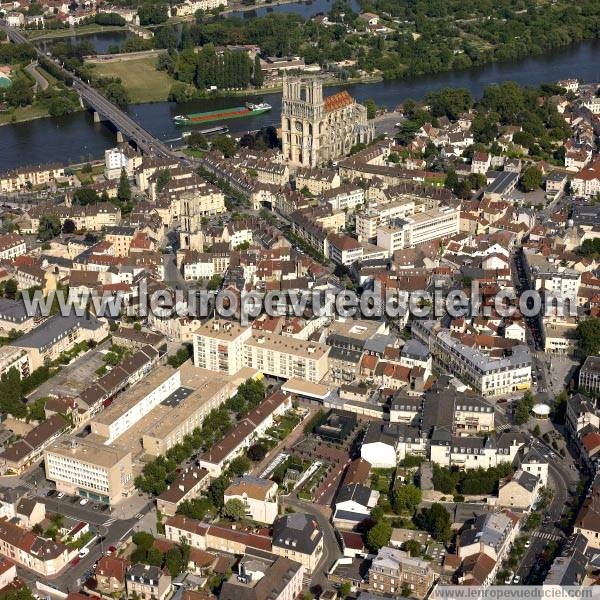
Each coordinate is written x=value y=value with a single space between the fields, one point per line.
x=77 y=138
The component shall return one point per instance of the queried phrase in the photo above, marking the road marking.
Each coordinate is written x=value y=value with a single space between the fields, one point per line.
x=110 y=521
x=139 y=516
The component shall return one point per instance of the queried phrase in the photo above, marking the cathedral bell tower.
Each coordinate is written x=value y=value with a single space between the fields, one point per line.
x=302 y=116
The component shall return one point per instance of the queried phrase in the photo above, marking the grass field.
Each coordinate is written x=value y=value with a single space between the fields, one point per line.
x=140 y=78
x=26 y=113
x=49 y=34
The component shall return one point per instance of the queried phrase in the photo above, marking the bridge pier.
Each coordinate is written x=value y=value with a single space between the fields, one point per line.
x=97 y=117
x=120 y=139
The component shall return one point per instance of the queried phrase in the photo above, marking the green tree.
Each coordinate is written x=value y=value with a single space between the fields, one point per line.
x=436 y=520
x=371 y=108
x=588 y=335
x=413 y=547
x=69 y=226
x=226 y=144
x=10 y=289
x=531 y=179
x=406 y=498
x=49 y=227
x=345 y=589
x=143 y=539
x=379 y=535
x=257 y=74
x=523 y=408
x=449 y=102
x=124 y=189
x=117 y=94
x=174 y=561
x=240 y=465
x=234 y=509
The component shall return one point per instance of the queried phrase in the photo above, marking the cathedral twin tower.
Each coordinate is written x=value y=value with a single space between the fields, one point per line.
x=316 y=130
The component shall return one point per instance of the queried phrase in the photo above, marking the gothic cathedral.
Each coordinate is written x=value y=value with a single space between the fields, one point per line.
x=315 y=130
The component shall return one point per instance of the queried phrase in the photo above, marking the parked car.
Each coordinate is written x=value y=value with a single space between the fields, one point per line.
x=84 y=552
x=83 y=501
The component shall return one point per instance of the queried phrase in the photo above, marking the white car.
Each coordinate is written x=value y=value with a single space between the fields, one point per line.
x=516 y=579
x=508 y=579
x=83 y=552
x=83 y=501
x=527 y=544
x=61 y=495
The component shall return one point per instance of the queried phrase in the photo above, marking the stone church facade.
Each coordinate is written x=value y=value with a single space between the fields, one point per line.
x=316 y=130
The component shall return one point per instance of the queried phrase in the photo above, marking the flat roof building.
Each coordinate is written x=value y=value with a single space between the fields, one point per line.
x=89 y=469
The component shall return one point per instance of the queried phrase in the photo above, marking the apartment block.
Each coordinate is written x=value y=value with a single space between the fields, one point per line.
x=135 y=403
x=87 y=468
x=219 y=346
x=287 y=357
x=419 y=228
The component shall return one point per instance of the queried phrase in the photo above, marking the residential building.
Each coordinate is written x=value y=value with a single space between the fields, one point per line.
x=491 y=533
x=519 y=491
x=14 y=317
x=419 y=228
x=58 y=334
x=258 y=495
x=148 y=582
x=219 y=346
x=260 y=576
x=286 y=357
x=297 y=536
x=11 y=246
x=14 y=358
x=135 y=403
x=353 y=505
x=393 y=571
x=40 y=555
x=187 y=485
x=22 y=454
x=589 y=375
x=343 y=249
x=89 y=469
x=110 y=574
x=258 y=420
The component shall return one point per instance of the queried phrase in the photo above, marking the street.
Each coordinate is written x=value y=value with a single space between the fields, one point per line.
x=331 y=547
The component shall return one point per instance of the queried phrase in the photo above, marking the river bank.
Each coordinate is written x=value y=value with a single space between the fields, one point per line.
x=78 y=138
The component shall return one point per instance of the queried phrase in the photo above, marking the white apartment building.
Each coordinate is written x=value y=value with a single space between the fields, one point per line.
x=219 y=346
x=419 y=228
x=258 y=495
x=89 y=469
x=227 y=347
x=345 y=198
x=119 y=158
x=368 y=220
x=487 y=375
x=343 y=249
x=287 y=357
x=135 y=403
x=11 y=246
x=201 y=265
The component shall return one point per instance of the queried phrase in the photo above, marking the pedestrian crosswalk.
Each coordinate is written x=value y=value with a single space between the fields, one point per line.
x=544 y=535
x=139 y=516
x=110 y=521
x=502 y=428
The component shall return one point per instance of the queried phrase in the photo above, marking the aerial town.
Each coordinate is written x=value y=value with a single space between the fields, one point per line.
x=352 y=353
